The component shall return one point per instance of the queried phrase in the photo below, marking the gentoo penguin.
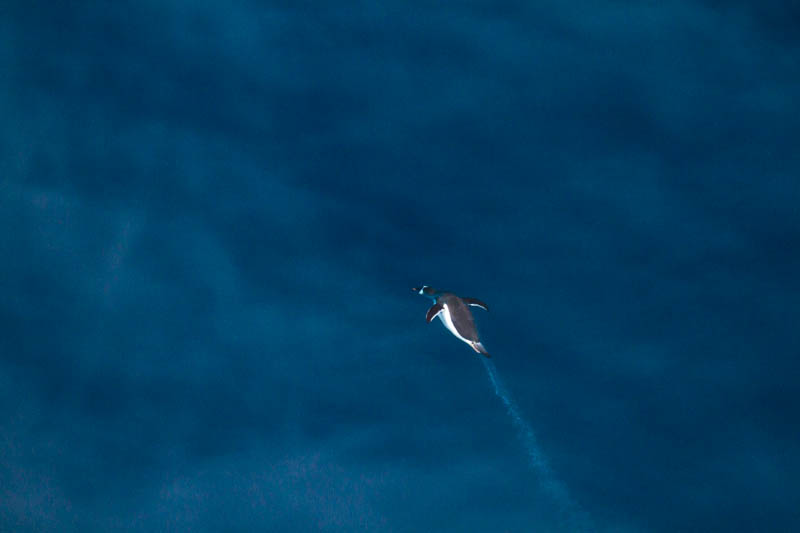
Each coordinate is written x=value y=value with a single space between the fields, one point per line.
x=455 y=315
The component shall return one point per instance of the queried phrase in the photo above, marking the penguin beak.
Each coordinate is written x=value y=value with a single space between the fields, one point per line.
x=416 y=289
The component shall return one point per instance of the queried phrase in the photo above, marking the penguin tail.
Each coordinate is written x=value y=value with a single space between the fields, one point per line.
x=478 y=347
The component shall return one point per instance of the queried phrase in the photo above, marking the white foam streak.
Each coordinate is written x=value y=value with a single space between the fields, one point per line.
x=570 y=514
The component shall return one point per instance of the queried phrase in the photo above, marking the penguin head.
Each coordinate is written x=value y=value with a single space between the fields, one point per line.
x=424 y=290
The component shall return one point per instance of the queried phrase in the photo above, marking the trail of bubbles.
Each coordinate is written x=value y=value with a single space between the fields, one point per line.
x=571 y=516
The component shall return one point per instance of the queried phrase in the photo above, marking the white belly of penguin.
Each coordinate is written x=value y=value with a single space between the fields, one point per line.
x=447 y=320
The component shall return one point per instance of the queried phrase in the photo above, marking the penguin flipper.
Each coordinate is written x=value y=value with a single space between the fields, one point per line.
x=476 y=303
x=433 y=311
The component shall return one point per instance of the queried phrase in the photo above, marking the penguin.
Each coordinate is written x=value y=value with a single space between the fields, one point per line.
x=454 y=313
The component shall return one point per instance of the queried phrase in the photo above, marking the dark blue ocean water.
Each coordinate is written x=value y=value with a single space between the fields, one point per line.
x=212 y=214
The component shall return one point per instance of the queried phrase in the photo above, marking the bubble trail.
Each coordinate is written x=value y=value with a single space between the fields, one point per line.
x=570 y=514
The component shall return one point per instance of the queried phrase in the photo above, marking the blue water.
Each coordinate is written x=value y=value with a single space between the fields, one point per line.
x=212 y=214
